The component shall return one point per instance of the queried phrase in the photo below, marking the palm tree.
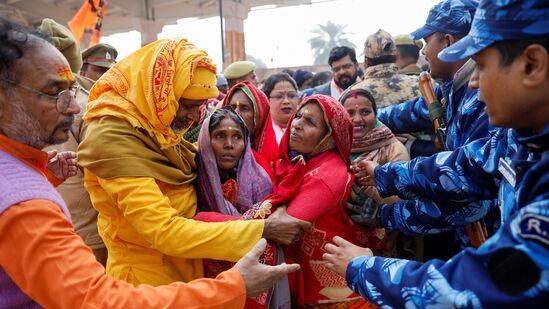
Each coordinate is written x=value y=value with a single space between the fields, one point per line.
x=327 y=37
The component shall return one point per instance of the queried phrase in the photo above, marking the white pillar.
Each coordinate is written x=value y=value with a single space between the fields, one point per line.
x=149 y=31
x=234 y=12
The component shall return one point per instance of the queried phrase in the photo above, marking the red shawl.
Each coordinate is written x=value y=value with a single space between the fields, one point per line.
x=289 y=173
x=264 y=139
x=316 y=191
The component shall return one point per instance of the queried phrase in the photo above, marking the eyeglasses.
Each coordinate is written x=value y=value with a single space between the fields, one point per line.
x=280 y=97
x=344 y=67
x=62 y=99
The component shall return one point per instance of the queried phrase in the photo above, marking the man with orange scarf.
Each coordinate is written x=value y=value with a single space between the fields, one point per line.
x=140 y=171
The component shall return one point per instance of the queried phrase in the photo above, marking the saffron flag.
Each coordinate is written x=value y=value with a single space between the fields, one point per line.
x=86 y=24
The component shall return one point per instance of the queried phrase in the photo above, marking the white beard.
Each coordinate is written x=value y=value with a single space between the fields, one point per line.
x=27 y=130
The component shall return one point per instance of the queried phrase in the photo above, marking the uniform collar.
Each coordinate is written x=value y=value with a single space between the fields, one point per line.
x=538 y=142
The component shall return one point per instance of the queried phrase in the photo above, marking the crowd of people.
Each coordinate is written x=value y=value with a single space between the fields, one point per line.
x=158 y=182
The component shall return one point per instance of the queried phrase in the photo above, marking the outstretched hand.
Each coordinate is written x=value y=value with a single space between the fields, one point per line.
x=259 y=277
x=341 y=253
x=365 y=212
x=283 y=228
x=364 y=172
x=62 y=164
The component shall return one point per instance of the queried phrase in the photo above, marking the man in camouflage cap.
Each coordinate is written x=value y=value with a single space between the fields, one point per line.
x=407 y=54
x=381 y=77
x=510 y=42
x=97 y=60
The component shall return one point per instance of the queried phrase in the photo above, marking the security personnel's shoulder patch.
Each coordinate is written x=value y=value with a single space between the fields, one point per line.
x=535 y=227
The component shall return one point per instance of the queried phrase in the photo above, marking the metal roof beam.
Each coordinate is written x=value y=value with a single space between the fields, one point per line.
x=39 y=8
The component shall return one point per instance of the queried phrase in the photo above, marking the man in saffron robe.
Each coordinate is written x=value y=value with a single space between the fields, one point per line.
x=140 y=171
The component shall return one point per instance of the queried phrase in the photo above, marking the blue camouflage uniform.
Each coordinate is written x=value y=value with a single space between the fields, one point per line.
x=511 y=269
x=466 y=122
x=464 y=111
x=465 y=114
x=474 y=171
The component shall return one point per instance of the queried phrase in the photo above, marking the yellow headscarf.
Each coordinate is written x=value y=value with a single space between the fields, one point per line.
x=144 y=88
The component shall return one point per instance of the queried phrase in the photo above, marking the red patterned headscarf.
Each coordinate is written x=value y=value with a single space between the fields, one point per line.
x=264 y=138
x=289 y=173
x=339 y=123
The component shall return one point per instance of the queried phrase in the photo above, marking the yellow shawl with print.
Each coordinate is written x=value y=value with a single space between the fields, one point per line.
x=143 y=90
x=145 y=87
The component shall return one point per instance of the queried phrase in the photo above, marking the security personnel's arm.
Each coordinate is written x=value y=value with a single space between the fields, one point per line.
x=465 y=174
x=511 y=268
x=407 y=117
x=419 y=217
x=154 y=218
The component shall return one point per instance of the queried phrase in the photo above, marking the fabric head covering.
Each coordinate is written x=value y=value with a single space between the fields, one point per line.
x=339 y=123
x=145 y=87
x=264 y=138
x=64 y=41
x=290 y=171
x=379 y=44
x=499 y=21
x=449 y=16
x=201 y=85
x=252 y=180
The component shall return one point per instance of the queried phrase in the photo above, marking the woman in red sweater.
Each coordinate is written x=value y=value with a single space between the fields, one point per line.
x=314 y=181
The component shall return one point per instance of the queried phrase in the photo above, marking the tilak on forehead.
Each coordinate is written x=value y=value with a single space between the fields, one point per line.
x=355 y=96
x=65 y=73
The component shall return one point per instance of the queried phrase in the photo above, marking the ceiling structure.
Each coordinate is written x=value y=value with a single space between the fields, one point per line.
x=126 y=15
